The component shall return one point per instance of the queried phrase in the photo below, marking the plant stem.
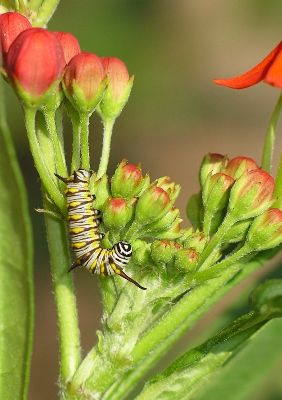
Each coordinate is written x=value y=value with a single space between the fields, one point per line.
x=60 y=161
x=45 y=12
x=271 y=136
x=278 y=186
x=34 y=4
x=107 y=135
x=75 y=160
x=69 y=335
x=44 y=173
x=85 y=159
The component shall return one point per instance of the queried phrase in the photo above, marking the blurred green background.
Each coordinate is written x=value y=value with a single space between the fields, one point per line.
x=175 y=115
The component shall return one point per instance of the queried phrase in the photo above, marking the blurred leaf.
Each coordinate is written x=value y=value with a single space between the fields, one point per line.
x=241 y=376
x=16 y=285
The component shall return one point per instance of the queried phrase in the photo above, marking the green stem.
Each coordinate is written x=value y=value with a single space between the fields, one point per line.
x=216 y=240
x=45 y=12
x=44 y=173
x=75 y=160
x=69 y=335
x=85 y=158
x=60 y=161
x=34 y=4
x=107 y=135
x=271 y=136
x=278 y=186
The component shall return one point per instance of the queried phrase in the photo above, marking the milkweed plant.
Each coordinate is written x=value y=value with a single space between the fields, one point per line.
x=235 y=227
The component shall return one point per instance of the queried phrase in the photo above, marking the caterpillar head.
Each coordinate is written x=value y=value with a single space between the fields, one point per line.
x=82 y=175
x=123 y=250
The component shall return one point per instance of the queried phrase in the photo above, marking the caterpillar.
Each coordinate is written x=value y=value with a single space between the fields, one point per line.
x=85 y=238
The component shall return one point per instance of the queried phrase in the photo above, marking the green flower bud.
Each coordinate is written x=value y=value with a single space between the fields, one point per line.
x=197 y=241
x=101 y=189
x=152 y=205
x=117 y=212
x=162 y=251
x=127 y=181
x=194 y=210
x=267 y=298
x=186 y=260
x=211 y=164
x=170 y=187
x=251 y=195
x=216 y=192
x=173 y=233
x=266 y=230
x=166 y=222
x=141 y=252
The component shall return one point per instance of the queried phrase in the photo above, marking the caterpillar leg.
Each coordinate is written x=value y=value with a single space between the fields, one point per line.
x=76 y=264
x=65 y=180
x=52 y=214
x=123 y=275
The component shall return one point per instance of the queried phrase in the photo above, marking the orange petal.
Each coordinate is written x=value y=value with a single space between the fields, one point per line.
x=258 y=73
x=274 y=73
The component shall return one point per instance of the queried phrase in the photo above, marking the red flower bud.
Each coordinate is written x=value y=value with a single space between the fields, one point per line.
x=11 y=25
x=211 y=164
x=266 y=230
x=186 y=260
x=152 y=204
x=35 y=64
x=117 y=213
x=69 y=43
x=118 y=89
x=239 y=165
x=84 y=81
x=162 y=251
x=268 y=70
x=251 y=194
x=128 y=181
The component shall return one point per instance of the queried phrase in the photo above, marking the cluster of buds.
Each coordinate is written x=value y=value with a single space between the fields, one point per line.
x=235 y=203
x=37 y=61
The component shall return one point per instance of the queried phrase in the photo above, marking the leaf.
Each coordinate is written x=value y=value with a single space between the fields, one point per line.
x=241 y=376
x=16 y=284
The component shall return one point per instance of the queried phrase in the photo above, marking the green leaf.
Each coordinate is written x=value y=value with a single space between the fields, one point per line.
x=240 y=378
x=16 y=280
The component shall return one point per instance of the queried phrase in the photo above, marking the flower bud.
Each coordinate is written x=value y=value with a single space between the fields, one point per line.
x=35 y=64
x=266 y=230
x=69 y=43
x=170 y=187
x=186 y=260
x=117 y=212
x=118 y=89
x=141 y=252
x=194 y=210
x=162 y=251
x=11 y=25
x=127 y=181
x=152 y=205
x=211 y=164
x=216 y=191
x=101 y=189
x=166 y=222
x=240 y=165
x=196 y=241
x=251 y=195
x=173 y=233
x=84 y=81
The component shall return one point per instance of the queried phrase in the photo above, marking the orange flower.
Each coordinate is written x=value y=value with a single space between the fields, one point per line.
x=268 y=70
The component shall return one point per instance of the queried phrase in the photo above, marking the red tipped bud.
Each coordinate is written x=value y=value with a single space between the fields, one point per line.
x=152 y=205
x=84 y=81
x=240 y=165
x=211 y=164
x=197 y=241
x=266 y=230
x=251 y=194
x=170 y=187
x=11 y=25
x=117 y=213
x=35 y=64
x=186 y=260
x=128 y=181
x=162 y=251
x=216 y=191
x=69 y=43
x=118 y=89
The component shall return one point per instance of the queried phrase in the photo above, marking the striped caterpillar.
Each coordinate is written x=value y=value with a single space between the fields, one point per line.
x=83 y=220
